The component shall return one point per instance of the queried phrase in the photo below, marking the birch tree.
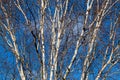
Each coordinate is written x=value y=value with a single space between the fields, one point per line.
x=62 y=39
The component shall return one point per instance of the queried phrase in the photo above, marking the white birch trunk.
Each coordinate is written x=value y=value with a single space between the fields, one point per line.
x=14 y=47
x=43 y=6
x=112 y=37
x=99 y=20
x=53 y=47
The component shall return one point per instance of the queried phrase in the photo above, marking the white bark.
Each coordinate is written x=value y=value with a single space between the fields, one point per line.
x=43 y=6
x=58 y=42
x=15 y=47
x=112 y=38
x=19 y=7
x=99 y=20
x=53 y=47
x=20 y=69
x=73 y=58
